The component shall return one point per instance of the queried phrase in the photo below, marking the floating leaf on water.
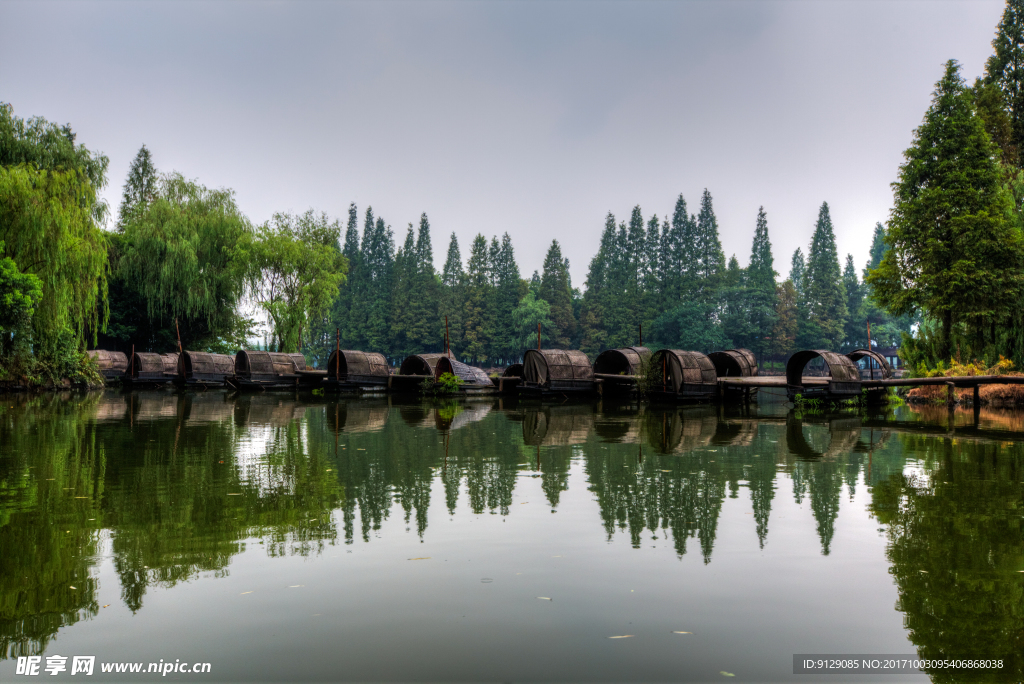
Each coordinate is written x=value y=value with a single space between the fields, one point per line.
x=677 y=632
x=107 y=606
x=666 y=471
x=544 y=598
x=73 y=587
x=726 y=674
x=623 y=636
x=292 y=586
x=486 y=580
x=423 y=558
x=234 y=494
x=245 y=592
x=925 y=571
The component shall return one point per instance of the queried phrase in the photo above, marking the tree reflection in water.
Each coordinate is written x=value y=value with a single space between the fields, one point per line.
x=182 y=483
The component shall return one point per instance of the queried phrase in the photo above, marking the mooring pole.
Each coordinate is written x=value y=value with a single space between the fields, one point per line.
x=977 y=404
x=177 y=330
x=870 y=364
x=641 y=334
x=447 y=345
x=131 y=367
x=950 y=395
x=538 y=337
x=337 y=350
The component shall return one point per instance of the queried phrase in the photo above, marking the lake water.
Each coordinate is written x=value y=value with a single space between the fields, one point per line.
x=315 y=539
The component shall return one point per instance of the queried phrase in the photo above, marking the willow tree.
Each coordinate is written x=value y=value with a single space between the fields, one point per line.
x=179 y=255
x=293 y=269
x=49 y=215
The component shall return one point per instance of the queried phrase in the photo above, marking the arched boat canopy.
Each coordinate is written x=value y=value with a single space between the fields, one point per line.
x=625 y=361
x=267 y=365
x=683 y=372
x=206 y=366
x=110 y=364
x=734 y=363
x=420 y=364
x=150 y=366
x=840 y=367
x=471 y=376
x=357 y=366
x=883 y=369
x=513 y=371
x=544 y=366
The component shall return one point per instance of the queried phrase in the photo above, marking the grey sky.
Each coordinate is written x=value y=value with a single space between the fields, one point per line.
x=535 y=118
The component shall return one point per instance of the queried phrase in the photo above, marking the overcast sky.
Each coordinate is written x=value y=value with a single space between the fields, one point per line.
x=535 y=118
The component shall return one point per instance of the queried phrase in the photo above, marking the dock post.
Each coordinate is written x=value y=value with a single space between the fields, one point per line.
x=977 y=404
x=950 y=395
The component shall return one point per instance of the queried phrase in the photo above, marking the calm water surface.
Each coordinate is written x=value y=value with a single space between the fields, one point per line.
x=286 y=539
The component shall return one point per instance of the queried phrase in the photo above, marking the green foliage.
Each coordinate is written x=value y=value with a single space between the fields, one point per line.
x=526 y=316
x=556 y=291
x=180 y=257
x=47 y=228
x=293 y=271
x=1000 y=97
x=140 y=188
x=823 y=289
x=693 y=326
x=955 y=253
x=449 y=383
x=19 y=295
x=45 y=146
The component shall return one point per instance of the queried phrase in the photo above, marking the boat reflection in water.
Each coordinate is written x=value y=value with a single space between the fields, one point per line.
x=659 y=511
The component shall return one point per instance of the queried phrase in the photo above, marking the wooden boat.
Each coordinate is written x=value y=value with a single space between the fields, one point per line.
x=264 y=370
x=510 y=379
x=146 y=369
x=735 y=363
x=556 y=372
x=349 y=370
x=414 y=370
x=474 y=380
x=682 y=376
x=839 y=380
x=111 y=364
x=203 y=369
x=620 y=369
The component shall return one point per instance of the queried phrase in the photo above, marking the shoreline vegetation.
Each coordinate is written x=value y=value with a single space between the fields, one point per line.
x=180 y=263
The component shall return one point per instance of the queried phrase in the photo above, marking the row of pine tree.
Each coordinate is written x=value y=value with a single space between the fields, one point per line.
x=665 y=279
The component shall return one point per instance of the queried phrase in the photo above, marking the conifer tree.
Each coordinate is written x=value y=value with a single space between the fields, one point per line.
x=761 y=287
x=476 y=326
x=954 y=252
x=140 y=188
x=345 y=310
x=508 y=292
x=378 y=255
x=594 y=311
x=403 y=282
x=710 y=257
x=555 y=290
x=856 y=330
x=797 y=268
x=680 y=259
x=452 y=298
x=823 y=287
x=425 y=325
x=1005 y=69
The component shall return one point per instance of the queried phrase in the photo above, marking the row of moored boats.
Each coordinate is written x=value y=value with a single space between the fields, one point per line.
x=671 y=374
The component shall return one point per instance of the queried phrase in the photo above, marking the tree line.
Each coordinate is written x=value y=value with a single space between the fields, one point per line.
x=182 y=264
